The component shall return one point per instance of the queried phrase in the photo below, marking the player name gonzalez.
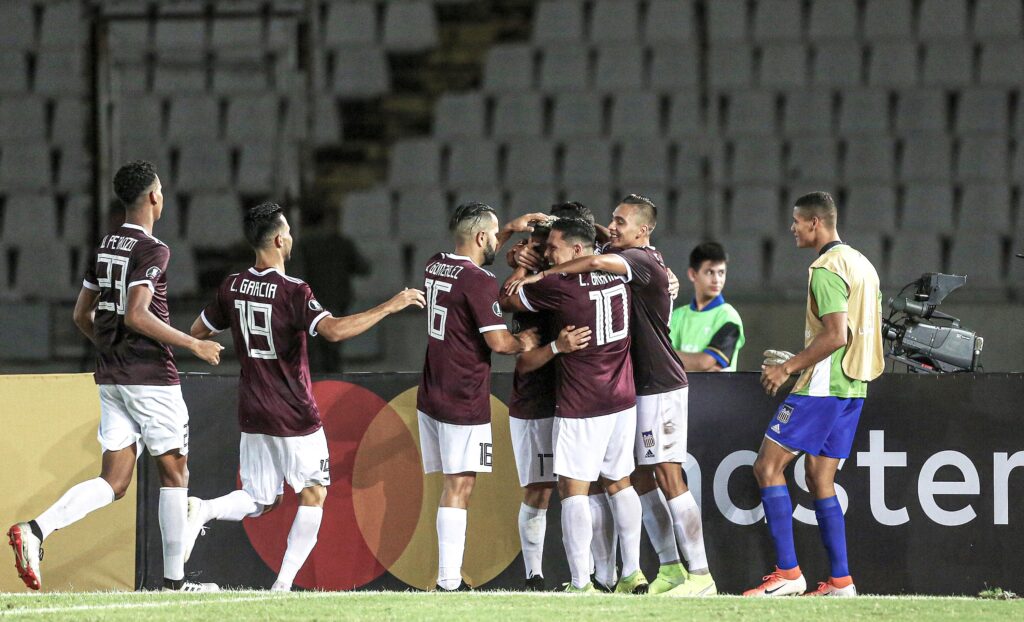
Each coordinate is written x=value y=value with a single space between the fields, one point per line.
x=118 y=243
x=443 y=269
x=254 y=288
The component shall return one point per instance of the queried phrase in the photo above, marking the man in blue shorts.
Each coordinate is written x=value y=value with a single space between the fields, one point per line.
x=842 y=352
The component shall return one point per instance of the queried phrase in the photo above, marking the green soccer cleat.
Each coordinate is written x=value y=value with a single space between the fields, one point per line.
x=669 y=576
x=586 y=589
x=635 y=583
x=696 y=585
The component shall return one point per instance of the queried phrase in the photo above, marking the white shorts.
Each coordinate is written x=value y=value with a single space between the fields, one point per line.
x=452 y=448
x=531 y=442
x=586 y=449
x=142 y=414
x=267 y=462
x=661 y=427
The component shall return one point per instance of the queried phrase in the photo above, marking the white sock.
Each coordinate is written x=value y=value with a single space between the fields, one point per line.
x=301 y=539
x=658 y=523
x=628 y=515
x=533 y=524
x=577 y=532
x=689 y=530
x=451 y=543
x=75 y=504
x=173 y=513
x=603 y=546
x=233 y=506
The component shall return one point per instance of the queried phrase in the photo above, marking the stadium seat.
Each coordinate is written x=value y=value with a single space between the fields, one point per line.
x=25 y=165
x=643 y=163
x=948 y=63
x=360 y=71
x=893 y=64
x=926 y=157
x=172 y=224
x=460 y=115
x=813 y=158
x=183 y=277
x=78 y=217
x=214 y=220
x=888 y=19
x=864 y=111
x=579 y=114
x=837 y=63
x=240 y=77
x=997 y=19
x=518 y=114
x=236 y=32
x=636 y=113
x=525 y=199
x=564 y=69
x=754 y=209
x=927 y=208
x=415 y=162
x=688 y=165
x=789 y=268
x=871 y=246
x=351 y=24
x=686 y=116
x=251 y=117
x=620 y=66
x=13 y=72
x=730 y=66
x=193 y=117
x=491 y=195
x=19 y=28
x=726 y=21
x=60 y=72
x=410 y=26
x=558 y=21
x=1017 y=165
x=509 y=68
x=869 y=158
x=674 y=67
x=63 y=25
x=979 y=255
x=675 y=250
x=600 y=198
x=615 y=21
x=423 y=250
x=690 y=213
x=983 y=157
x=809 y=112
x=587 y=162
x=750 y=113
x=670 y=21
x=140 y=118
x=921 y=110
x=756 y=161
x=783 y=65
x=421 y=213
x=145 y=148
x=128 y=40
x=203 y=165
x=778 y=20
x=868 y=208
x=176 y=79
x=472 y=163
x=530 y=162
x=832 y=19
x=1002 y=63
x=387 y=274
x=28 y=217
x=942 y=20
x=45 y=271
x=983 y=110
x=747 y=272
x=22 y=118
x=74 y=169
x=71 y=122
x=985 y=207
x=181 y=34
x=257 y=166
x=367 y=213
x=913 y=253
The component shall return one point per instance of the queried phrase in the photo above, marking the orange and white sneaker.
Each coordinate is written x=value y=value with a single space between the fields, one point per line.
x=780 y=583
x=829 y=588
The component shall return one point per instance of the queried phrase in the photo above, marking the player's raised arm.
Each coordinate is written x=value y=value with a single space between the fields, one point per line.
x=341 y=328
x=140 y=319
x=519 y=225
x=85 y=311
x=613 y=264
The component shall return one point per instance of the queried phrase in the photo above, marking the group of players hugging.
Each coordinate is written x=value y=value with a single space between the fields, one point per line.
x=598 y=410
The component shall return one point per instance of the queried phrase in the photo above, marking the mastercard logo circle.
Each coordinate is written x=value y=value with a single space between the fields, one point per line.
x=380 y=513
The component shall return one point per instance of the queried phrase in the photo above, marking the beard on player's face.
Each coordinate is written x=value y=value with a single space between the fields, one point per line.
x=489 y=253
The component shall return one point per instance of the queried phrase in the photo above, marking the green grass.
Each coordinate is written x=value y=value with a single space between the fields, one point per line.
x=487 y=606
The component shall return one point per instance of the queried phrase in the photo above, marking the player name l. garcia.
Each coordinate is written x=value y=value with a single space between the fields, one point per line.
x=255 y=288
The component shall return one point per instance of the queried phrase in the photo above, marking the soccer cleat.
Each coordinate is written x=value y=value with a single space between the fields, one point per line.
x=601 y=587
x=586 y=589
x=28 y=552
x=280 y=587
x=463 y=587
x=670 y=576
x=534 y=584
x=825 y=588
x=635 y=583
x=193 y=587
x=777 y=585
x=696 y=585
x=195 y=523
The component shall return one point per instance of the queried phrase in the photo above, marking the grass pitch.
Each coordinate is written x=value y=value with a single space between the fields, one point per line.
x=489 y=606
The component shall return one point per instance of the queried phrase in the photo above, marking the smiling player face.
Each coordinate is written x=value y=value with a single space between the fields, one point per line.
x=559 y=250
x=627 y=230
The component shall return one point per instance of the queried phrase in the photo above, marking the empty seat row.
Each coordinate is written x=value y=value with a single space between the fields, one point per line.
x=61 y=24
x=403 y=26
x=32 y=165
x=48 y=72
x=59 y=120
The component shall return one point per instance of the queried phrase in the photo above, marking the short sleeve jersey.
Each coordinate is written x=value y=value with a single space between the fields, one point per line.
x=656 y=368
x=462 y=305
x=129 y=258
x=715 y=330
x=533 y=393
x=271 y=316
x=597 y=380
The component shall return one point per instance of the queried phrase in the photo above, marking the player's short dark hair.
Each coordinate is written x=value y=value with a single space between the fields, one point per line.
x=648 y=210
x=132 y=180
x=576 y=230
x=707 y=251
x=572 y=209
x=541 y=230
x=262 y=222
x=468 y=217
x=820 y=204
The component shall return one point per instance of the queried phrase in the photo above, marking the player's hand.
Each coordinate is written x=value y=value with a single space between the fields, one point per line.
x=776 y=357
x=524 y=222
x=510 y=256
x=405 y=298
x=571 y=339
x=673 y=284
x=208 y=351
x=528 y=258
x=529 y=339
x=772 y=378
x=515 y=285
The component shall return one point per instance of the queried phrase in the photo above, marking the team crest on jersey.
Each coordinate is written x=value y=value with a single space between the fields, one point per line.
x=648 y=439
x=153 y=272
x=314 y=305
x=496 y=308
x=784 y=413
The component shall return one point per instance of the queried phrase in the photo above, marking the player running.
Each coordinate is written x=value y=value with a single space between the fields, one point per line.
x=122 y=309
x=842 y=353
x=464 y=325
x=595 y=413
x=270 y=315
x=662 y=392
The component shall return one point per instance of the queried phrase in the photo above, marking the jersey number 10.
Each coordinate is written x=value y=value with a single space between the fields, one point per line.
x=603 y=305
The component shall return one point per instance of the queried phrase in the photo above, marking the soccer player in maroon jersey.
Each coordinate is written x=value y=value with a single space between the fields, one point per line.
x=464 y=325
x=662 y=404
x=122 y=309
x=271 y=315
x=595 y=412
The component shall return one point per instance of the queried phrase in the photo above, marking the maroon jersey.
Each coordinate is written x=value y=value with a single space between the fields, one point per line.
x=656 y=368
x=462 y=305
x=597 y=380
x=270 y=315
x=129 y=258
x=533 y=393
